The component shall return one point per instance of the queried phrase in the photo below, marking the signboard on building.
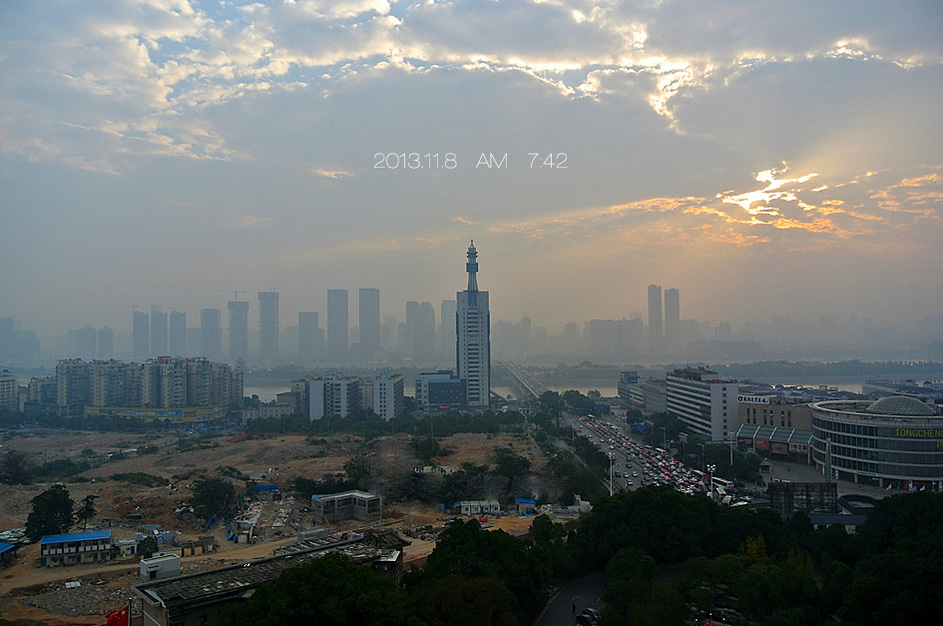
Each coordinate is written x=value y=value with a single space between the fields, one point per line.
x=756 y=399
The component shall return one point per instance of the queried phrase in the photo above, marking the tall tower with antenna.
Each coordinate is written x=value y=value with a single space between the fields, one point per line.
x=473 y=337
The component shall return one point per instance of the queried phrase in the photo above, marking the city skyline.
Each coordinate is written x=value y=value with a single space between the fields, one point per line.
x=767 y=161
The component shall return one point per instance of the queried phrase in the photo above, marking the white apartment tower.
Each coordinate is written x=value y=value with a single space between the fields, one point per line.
x=706 y=403
x=473 y=340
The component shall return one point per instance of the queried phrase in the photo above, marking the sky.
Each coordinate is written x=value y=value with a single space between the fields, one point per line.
x=765 y=158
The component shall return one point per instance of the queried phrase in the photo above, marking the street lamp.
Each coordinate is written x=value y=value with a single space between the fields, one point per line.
x=664 y=435
x=712 y=468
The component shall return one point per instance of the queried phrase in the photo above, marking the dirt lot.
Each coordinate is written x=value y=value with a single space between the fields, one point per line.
x=37 y=594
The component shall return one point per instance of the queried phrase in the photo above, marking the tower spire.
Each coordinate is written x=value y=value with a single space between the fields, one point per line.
x=472 y=267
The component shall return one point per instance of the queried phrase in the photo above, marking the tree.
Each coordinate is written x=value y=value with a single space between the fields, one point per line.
x=51 y=514
x=465 y=549
x=147 y=547
x=552 y=402
x=510 y=465
x=463 y=601
x=211 y=496
x=17 y=468
x=425 y=448
x=87 y=511
x=327 y=591
x=358 y=469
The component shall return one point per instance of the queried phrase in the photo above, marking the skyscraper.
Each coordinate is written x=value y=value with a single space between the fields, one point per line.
x=672 y=321
x=369 y=324
x=106 y=343
x=178 y=333
x=424 y=333
x=211 y=333
x=159 y=343
x=407 y=339
x=310 y=337
x=473 y=353
x=446 y=333
x=140 y=335
x=654 y=319
x=85 y=342
x=337 y=325
x=238 y=330
x=268 y=326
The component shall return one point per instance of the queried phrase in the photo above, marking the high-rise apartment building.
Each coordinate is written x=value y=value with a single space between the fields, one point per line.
x=706 y=403
x=655 y=332
x=159 y=331
x=178 y=333
x=310 y=337
x=211 y=333
x=388 y=395
x=106 y=343
x=268 y=326
x=238 y=330
x=369 y=313
x=9 y=391
x=72 y=382
x=424 y=337
x=473 y=350
x=337 y=325
x=86 y=340
x=140 y=335
x=672 y=321
x=407 y=338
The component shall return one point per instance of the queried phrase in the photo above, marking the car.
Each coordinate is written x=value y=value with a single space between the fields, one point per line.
x=591 y=613
x=634 y=474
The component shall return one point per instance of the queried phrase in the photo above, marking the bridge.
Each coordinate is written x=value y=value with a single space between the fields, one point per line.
x=525 y=381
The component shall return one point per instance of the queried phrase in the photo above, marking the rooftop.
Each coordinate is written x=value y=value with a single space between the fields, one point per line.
x=47 y=539
x=902 y=406
x=236 y=580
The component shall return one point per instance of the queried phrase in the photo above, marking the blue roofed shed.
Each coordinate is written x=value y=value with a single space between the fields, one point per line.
x=7 y=552
x=526 y=506
x=76 y=548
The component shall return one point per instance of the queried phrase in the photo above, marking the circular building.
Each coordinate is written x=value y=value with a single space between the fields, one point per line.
x=895 y=441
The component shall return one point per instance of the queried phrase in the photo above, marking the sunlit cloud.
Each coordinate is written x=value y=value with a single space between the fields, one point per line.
x=748 y=201
x=332 y=174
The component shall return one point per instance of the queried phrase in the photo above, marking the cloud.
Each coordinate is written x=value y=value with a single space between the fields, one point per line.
x=243 y=222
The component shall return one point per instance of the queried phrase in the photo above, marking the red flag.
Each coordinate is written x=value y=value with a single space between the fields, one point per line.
x=119 y=617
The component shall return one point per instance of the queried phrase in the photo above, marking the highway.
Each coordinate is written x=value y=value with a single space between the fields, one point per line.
x=636 y=464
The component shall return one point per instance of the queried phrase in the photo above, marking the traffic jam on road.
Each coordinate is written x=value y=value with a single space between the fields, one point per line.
x=636 y=464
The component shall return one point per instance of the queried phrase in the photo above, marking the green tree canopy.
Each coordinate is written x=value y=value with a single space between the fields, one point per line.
x=211 y=496
x=87 y=511
x=425 y=449
x=147 y=547
x=17 y=467
x=358 y=469
x=51 y=514
x=327 y=591
x=462 y=601
x=467 y=550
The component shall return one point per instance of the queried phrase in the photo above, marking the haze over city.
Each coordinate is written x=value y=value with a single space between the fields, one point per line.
x=765 y=159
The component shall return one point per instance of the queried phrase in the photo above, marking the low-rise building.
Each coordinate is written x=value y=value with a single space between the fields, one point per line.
x=158 y=567
x=200 y=598
x=477 y=507
x=76 y=548
x=358 y=505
